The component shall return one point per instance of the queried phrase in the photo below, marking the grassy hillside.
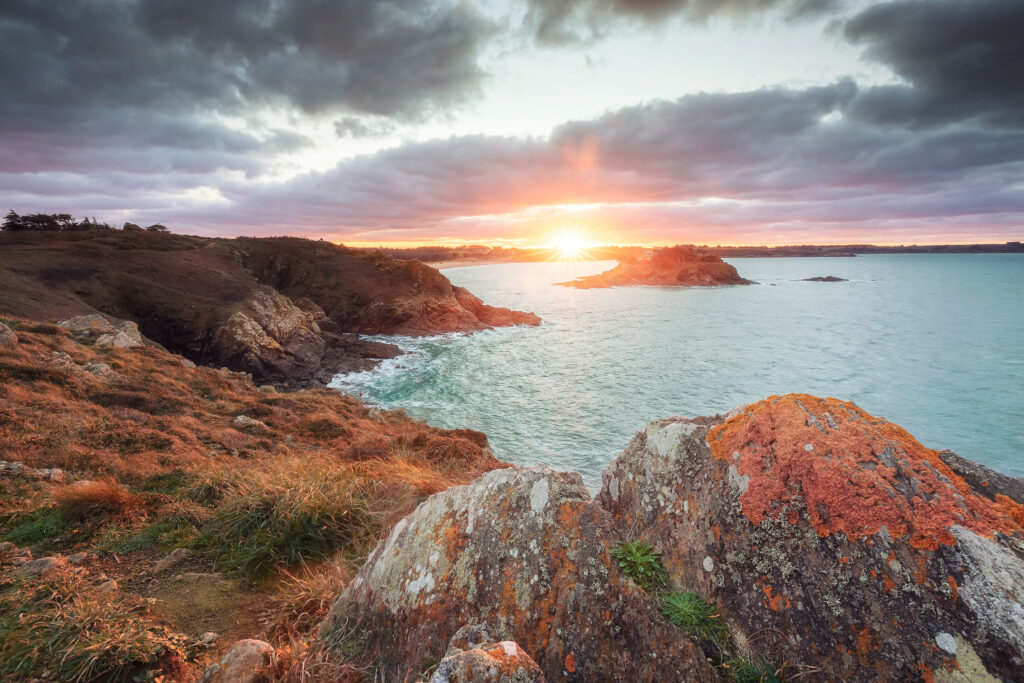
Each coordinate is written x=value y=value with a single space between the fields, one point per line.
x=277 y=507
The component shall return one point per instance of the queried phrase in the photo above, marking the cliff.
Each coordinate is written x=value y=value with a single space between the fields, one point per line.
x=795 y=537
x=284 y=309
x=679 y=266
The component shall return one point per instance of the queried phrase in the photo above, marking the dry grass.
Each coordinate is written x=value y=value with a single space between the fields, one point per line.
x=85 y=500
x=167 y=467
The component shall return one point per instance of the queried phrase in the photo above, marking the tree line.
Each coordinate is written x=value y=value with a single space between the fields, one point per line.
x=63 y=222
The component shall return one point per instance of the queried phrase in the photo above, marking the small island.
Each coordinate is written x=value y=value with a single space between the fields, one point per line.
x=679 y=266
x=827 y=278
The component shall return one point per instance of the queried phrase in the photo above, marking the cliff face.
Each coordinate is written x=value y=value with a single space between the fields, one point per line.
x=670 y=267
x=286 y=310
x=825 y=540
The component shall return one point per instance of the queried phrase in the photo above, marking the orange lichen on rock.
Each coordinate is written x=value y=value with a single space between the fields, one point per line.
x=856 y=473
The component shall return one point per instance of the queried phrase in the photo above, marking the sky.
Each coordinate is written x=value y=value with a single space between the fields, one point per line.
x=516 y=121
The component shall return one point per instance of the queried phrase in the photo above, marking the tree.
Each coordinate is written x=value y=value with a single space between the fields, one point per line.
x=156 y=227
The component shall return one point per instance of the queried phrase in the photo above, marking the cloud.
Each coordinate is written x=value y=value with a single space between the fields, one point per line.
x=565 y=22
x=961 y=60
x=774 y=158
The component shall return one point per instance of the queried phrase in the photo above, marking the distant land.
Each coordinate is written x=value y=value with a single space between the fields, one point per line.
x=483 y=253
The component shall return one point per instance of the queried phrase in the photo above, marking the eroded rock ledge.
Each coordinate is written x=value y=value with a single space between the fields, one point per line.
x=287 y=310
x=830 y=540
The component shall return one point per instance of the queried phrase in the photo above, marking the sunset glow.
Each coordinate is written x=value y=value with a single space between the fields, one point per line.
x=571 y=244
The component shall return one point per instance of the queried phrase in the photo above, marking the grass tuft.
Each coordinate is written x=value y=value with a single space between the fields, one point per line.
x=58 y=627
x=742 y=670
x=642 y=563
x=696 y=617
x=259 y=527
x=86 y=500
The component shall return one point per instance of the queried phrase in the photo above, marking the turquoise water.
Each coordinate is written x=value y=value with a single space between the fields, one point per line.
x=934 y=343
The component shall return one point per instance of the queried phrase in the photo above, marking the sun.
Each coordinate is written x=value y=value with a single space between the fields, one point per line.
x=571 y=245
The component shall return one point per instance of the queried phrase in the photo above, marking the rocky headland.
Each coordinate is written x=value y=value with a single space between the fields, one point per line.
x=680 y=266
x=287 y=310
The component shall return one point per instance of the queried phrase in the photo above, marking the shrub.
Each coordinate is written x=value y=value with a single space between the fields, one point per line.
x=85 y=500
x=58 y=627
x=642 y=563
x=695 y=616
x=259 y=526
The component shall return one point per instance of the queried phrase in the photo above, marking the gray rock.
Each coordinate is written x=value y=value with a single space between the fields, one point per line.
x=117 y=340
x=245 y=662
x=7 y=336
x=850 y=557
x=93 y=322
x=44 y=565
x=245 y=421
x=79 y=558
x=500 y=662
x=187 y=363
x=172 y=558
x=209 y=638
x=526 y=551
x=108 y=586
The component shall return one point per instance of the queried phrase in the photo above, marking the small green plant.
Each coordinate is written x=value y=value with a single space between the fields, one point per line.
x=41 y=528
x=747 y=671
x=695 y=616
x=642 y=563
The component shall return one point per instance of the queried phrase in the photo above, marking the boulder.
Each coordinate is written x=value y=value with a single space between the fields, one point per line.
x=44 y=565
x=245 y=421
x=7 y=336
x=487 y=662
x=830 y=538
x=172 y=558
x=94 y=322
x=526 y=552
x=245 y=662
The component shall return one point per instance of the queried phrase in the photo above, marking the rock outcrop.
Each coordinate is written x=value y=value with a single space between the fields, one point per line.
x=474 y=657
x=289 y=311
x=525 y=553
x=680 y=266
x=245 y=662
x=831 y=540
x=826 y=278
x=7 y=336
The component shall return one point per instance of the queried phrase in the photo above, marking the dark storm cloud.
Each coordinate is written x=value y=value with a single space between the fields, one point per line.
x=159 y=80
x=962 y=59
x=562 y=22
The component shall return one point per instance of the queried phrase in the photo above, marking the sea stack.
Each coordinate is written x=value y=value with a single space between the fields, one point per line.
x=679 y=266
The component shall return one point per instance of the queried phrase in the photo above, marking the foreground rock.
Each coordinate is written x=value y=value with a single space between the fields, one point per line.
x=679 y=266
x=474 y=657
x=526 y=554
x=246 y=662
x=830 y=539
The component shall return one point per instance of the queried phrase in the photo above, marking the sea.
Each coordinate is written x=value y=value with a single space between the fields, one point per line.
x=932 y=342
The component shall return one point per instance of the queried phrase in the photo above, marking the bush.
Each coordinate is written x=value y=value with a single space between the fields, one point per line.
x=50 y=222
x=642 y=563
x=85 y=500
